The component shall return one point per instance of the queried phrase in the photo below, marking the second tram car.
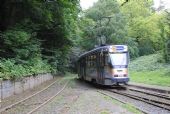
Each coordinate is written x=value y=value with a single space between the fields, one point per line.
x=106 y=65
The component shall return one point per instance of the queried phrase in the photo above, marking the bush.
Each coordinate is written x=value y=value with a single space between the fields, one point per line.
x=16 y=37
x=37 y=66
x=148 y=63
x=145 y=47
x=20 y=45
x=133 y=48
x=10 y=70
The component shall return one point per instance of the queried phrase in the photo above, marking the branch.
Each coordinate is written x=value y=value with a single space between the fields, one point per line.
x=124 y=2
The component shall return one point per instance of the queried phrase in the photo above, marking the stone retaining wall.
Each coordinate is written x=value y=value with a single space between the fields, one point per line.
x=8 y=88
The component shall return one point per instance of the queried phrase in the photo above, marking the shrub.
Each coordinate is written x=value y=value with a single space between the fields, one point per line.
x=10 y=70
x=148 y=63
x=20 y=45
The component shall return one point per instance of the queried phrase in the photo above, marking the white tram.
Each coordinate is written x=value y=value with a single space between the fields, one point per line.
x=106 y=65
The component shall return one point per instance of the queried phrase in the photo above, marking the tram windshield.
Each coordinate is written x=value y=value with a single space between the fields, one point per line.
x=118 y=58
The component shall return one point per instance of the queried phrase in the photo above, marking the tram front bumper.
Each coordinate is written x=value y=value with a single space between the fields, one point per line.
x=111 y=81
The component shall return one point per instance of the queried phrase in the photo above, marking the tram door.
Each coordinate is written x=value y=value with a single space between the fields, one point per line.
x=100 y=68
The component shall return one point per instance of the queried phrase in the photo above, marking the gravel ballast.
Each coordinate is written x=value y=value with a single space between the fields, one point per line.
x=82 y=98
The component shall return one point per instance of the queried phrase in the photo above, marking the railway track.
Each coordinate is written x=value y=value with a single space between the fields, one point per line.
x=153 y=98
x=35 y=109
x=159 y=102
x=158 y=90
x=34 y=102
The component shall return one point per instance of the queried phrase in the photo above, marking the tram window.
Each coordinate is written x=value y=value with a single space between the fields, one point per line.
x=102 y=60
x=106 y=59
x=89 y=61
x=93 y=60
x=86 y=59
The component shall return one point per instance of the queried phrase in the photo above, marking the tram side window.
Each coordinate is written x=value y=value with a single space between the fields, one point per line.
x=88 y=61
x=93 y=60
x=101 y=60
x=106 y=59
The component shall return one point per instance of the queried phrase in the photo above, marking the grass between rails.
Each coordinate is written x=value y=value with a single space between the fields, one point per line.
x=148 y=70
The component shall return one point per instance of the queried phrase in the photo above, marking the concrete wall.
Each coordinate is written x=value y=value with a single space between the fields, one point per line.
x=8 y=88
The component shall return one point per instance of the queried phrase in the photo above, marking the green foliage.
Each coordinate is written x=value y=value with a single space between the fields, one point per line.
x=156 y=77
x=148 y=63
x=167 y=51
x=102 y=24
x=22 y=45
x=132 y=47
x=148 y=70
x=10 y=70
x=86 y=31
x=165 y=33
x=134 y=24
x=146 y=47
x=143 y=26
x=103 y=8
x=36 y=36
x=41 y=33
x=16 y=38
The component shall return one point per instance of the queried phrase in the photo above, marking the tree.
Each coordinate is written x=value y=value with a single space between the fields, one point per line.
x=143 y=25
x=108 y=23
x=31 y=29
x=165 y=34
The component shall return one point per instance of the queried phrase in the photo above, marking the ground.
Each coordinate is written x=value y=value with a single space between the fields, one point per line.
x=82 y=98
x=79 y=97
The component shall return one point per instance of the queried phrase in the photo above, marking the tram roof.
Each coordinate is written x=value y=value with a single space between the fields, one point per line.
x=104 y=48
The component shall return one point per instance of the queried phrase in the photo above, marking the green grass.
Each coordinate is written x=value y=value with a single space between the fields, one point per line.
x=105 y=112
x=131 y=108
x=148 y=70
x=157 y=77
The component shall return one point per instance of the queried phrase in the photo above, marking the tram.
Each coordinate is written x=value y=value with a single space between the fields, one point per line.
x=105 y=65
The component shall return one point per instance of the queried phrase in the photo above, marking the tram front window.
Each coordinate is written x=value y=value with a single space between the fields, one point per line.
x=118 y=58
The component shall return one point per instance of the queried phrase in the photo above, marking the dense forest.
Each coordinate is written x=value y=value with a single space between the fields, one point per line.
x=36 y=36
x=40 y=36
x=136 y=23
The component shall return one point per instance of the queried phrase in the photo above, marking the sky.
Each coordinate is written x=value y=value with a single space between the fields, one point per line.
x=85 y=4
x=166 y=3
